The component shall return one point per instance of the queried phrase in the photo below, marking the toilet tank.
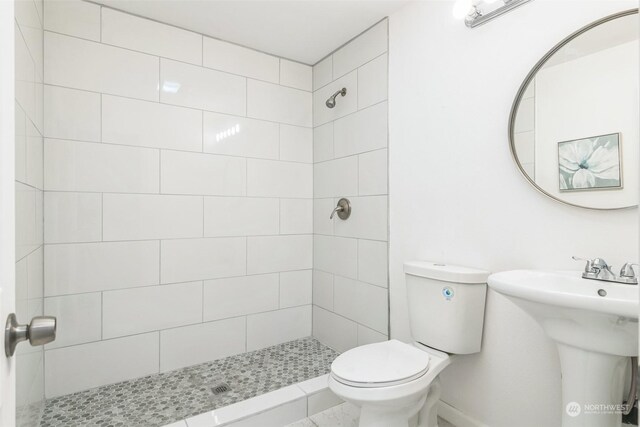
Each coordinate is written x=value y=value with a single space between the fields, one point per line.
x=446 y=305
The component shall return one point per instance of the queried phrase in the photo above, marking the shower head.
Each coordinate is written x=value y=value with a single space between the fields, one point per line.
x=331 y=102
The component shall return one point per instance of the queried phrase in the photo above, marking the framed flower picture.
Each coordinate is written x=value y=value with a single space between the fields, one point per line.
x=590 y=163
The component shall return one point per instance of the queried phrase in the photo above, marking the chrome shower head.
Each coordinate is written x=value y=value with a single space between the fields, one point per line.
x=331 y=102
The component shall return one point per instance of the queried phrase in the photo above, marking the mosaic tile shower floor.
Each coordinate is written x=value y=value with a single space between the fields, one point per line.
x=161 y=399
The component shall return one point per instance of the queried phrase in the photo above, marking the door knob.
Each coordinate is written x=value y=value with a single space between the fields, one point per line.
x=40 y=331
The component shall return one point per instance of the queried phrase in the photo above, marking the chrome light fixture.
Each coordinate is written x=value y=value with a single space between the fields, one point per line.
x=478 y=12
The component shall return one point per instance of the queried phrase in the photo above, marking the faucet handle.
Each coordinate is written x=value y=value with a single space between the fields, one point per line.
x=588 y=267
x=627 y=270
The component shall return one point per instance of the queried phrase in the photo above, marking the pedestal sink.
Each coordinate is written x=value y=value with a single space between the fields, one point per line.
x=595 y=327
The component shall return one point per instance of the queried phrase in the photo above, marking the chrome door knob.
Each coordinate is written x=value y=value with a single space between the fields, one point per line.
x=40 y=331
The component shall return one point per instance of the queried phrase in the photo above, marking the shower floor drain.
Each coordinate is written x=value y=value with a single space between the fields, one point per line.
x=220 y=388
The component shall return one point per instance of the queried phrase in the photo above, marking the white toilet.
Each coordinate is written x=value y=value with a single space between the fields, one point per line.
x=392 y=381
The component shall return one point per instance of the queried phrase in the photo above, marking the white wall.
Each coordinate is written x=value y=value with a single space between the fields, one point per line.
x=350 y=292
x=457 y=196
x=178 y=206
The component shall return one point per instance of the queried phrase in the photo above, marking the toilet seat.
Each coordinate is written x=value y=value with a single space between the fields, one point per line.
x=383 y=364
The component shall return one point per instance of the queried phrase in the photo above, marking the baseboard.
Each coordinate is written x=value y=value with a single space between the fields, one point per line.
x=457 y=417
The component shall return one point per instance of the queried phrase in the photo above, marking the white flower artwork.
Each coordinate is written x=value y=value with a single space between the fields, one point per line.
x=590 y=163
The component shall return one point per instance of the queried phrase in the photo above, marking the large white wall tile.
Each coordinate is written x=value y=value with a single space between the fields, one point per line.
x=152 y=308
x=279 y=253
x=344 y=104
x=363 y=131
x=34 y=157
x=368 y=219
x=372 y=173
x=83 y=166
x=72 y=217
x=361 y=50
x=125 y=30
x=323 y=142
x=275 y=327
x=27 y=238
x=73 y=369
x=149 y=124
x=296 y=144
x=278 y=103
x=296 y=75
x=336 y=255
x=295 y=288
x=74 y=18
x=373 y=262
x=322 y=209
x=35 y=272
x=364 y=303
x=82 y=64
x=201 y=88
x=203 y=174
x=335 y=331
x=140 y=216
x=20 y=144
x=237 y=296
x=369 y=336
x=79 y=318
x=239 y=136
x=336 y=178
x=235 y=59
x=240 y=216
x=296 y=216
x=197 y=259
x=372 y=82
x=268 y=178
x=191 y=345
x=89 y=267
x=323 y=289
x=323 y=72
x=71 y=114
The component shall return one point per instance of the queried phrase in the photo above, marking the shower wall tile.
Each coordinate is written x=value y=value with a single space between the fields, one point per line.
x=295 y=288
x=337 y=332
x=323 y=72
x=229 y=57
x=237 y=296
x=347 y=104
x=372 y=173
x=279 y=253
x=322 y=208
x=135 y=33
x=369 y=336
x=364 y=303
x=337 y=255
x=336 y=178
x=72 y=217
x=363 y=131
x=239 y=136
x=368 y=219
x=323 y=142
x=296 y=144
x=82 y=64
x=296 y=75
x=323 y=289
x=71 y=114
x=372 y=262
x=296 y=216
x=149 y=124
x=269 y=101
x=361 y=50
x=275 y=327
x=372 y=82
x=268 y=178
x=240 y=216
x=79 y=318
x=73 y=18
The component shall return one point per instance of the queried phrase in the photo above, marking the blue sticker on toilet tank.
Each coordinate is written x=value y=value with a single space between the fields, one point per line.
x=447 y=292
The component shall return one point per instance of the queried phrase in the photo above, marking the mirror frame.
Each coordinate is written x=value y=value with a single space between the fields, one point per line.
x=523 y=88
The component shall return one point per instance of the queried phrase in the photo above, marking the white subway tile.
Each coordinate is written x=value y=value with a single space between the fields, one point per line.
x=239 y=136
x=79 y=318
x=295 y=288
x=368 y=219
x=202 y=174
x=361 y=50
x=278 y=103
x=323 y=72
x=363 y=131
x=83 y=64
x=201 y=88
x=279 y=253
x=141 y=216
x=334 y=331
x=269 y=178
x=275 y=327
x=35 y=273
x=125 y=30
x=373 y=262
x=323 y=289
x=89 y=267
x=322 y=209
x=152 y=308
x=372 y=82
x=240 y=216
x=149 y=124
x=364 y=303
x=337 y=255
x=71 y=114
x=294 y=74
x=73 y=17
x=296 y=144
x=72 y=217
x=323 y=142
x=369 y=336
x=27 y=218
x=83 y=166
x=336 y=178
x=197 y=259
x=235 y=59
x=372 y=173
x=344 y=104
x=238 y=296
x=86 y=366
x=191 y=345
x=296 y=216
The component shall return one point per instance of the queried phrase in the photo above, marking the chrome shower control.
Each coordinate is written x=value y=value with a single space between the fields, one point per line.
x=40 y=331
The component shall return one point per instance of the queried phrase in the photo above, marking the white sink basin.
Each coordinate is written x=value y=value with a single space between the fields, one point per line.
x=595 y=326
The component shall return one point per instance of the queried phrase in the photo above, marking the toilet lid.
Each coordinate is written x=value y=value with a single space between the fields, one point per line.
x=380 y=364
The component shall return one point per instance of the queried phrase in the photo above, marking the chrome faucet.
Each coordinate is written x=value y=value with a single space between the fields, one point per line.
x=598 y=269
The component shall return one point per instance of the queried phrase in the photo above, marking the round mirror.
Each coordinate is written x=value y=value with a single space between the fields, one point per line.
x=574 y=124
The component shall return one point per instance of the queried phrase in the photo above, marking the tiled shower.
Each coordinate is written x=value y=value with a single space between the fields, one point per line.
x=181 y=187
